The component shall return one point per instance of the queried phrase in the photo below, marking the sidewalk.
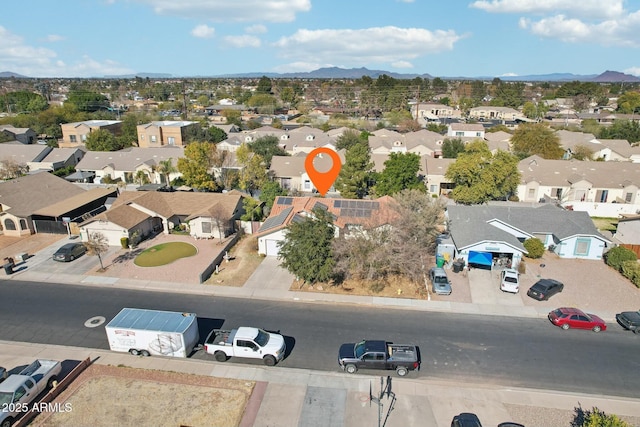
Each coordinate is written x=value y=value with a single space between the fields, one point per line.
x=305 y=398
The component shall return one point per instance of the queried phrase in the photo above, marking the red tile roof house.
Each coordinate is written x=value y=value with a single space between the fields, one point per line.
x=347 y=213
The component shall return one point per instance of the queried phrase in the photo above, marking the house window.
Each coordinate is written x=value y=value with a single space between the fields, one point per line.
x=171 y=140
x=601 y=196
x=72 y=138
x=23 y=224
x=556 y=193
x=84 y=137
x=458 y=133
x=532 y=193
x=478 y=134
x=153 y=138
x=206 y=227
x=582 y=247
x=628 y=197
x=433 y=188
x=9 y=224
x=307 y=185
x=285 y=183
x=580 y=195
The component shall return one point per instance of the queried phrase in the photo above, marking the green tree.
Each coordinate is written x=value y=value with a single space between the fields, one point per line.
x=23 y=102
x=267 y=147
x=629 y=102
x=350 y=138
x=88 y=101
x=253 y=174
x=165 y=168
x=355 y=175
x=215 y=134
x=129 y=128
x=534 y=247
x=596 y=418
x=252 y=210
x=480 y=176
x=142 y=177
x=439 y=86
x=102 y=140
x=307 y=250
x=582 y=152
x=451 y=147
x=400 y=173
x=622 y=129
x=437 y=128
x=617 y=256
x=263 y=102
x=264 y=85
x=269 y=191
x=234 y=117
x=536 y=138
x=196 y=164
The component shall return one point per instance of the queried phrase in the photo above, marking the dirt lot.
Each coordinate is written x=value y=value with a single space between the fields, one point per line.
x=11 y=246
x=111 y=396
x=243 y=262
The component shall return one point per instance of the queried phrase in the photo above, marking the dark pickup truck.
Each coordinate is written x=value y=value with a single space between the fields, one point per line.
x=371 y=354
x=629 y=320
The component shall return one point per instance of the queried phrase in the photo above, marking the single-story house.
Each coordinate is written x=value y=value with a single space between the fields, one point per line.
x=482 y=234
x=22 y=135
x=43 y=202
x=347 y=214
x=137 y=214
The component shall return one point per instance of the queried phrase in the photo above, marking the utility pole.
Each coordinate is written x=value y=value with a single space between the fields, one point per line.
x=184 y=101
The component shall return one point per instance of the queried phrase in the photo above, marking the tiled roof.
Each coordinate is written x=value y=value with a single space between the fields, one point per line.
x=366 y=213
x=129 y=159
x=124 y=216
x=74 y=202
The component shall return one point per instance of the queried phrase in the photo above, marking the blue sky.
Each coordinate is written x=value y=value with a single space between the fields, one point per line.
x=93 y=38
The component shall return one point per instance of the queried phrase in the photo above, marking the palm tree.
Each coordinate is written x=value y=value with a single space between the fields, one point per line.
x=142 y=177
x=165 y=168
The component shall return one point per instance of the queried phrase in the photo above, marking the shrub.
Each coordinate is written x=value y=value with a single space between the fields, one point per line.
x=596 y=418
x=618 y=255
x=124 y=242
x=631 y=270
x=522 y=267
x=534 y=247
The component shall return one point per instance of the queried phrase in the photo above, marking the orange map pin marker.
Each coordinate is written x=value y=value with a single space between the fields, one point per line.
x=323 y=180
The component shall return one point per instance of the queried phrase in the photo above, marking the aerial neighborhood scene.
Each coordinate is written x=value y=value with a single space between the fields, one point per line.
x=316 y=214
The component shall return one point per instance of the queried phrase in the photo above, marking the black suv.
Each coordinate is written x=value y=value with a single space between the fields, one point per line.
x=466 y=419
x=543 y=289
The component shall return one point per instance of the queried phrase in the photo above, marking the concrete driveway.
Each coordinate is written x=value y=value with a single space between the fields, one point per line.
x=270 y=276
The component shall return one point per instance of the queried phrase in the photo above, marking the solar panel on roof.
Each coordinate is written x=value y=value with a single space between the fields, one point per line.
x=337 y=203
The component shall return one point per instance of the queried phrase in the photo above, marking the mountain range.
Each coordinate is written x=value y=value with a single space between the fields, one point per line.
x=356 y=73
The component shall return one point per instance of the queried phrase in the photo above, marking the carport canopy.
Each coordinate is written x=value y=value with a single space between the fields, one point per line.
x=480 y=258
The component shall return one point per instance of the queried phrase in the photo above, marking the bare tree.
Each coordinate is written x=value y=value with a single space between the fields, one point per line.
x=10 y=169
x=97 y=245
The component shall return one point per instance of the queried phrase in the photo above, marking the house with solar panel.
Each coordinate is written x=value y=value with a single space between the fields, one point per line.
x=348 y=214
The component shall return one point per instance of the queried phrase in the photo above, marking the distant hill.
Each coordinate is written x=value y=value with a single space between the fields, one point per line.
x=615 y=77
x=356 y=73
x=9 y=74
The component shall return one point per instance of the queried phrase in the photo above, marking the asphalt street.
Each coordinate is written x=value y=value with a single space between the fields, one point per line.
x=510 y=351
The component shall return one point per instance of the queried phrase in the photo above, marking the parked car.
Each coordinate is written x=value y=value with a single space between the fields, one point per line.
x=509 y=281
x=466 y=419
x=629 y=320
x=544 y=289
x=440 y=284
x=3 y=374
x=69 y=252
x=567 y=318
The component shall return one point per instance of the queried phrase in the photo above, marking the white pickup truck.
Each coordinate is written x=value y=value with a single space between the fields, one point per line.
x=19 y=390
x=252 y=343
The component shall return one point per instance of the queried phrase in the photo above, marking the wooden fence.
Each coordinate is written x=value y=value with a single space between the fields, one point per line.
x=634 y=248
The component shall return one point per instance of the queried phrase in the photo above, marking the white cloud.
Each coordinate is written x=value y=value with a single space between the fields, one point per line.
x=598 y=9
x=402 y=64
x=232 y=10
x=256 y=29
x=380 y=44
x=52 y=38
x=243 y=41
x=203 y=31
x=633 y=71
x=508 y=75
x=620 y=32
x=33 y=61
x=405 y=1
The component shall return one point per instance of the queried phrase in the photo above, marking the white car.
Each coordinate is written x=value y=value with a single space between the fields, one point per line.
x=509 y=281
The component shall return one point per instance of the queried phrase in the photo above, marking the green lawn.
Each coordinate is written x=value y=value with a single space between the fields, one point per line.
x=164 y=253
x=610 y=224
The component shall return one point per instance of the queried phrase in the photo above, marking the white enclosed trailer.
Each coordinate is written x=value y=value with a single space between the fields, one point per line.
x=146 y=332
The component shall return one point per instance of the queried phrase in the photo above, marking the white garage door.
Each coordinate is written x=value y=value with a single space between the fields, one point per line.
x=272 y=247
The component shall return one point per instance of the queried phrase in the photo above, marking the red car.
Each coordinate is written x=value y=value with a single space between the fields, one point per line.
x=573 y=318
